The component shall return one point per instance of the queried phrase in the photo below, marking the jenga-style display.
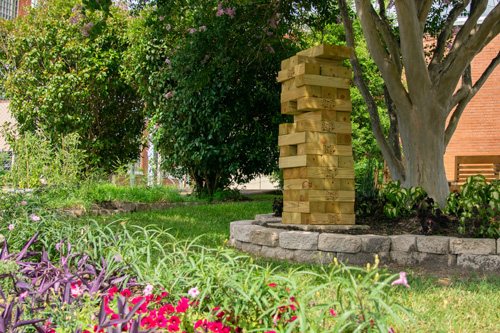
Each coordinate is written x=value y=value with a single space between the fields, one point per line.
x=316 y=150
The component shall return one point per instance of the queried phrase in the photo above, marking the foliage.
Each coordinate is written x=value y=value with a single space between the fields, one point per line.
x=208 y=79
x=369 y=201
x=400 y=200
x=38 y=162
x=66 y=77
x=278 y=207
x=477 y=206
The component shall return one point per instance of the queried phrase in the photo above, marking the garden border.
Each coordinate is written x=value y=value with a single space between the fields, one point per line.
x=432 y=252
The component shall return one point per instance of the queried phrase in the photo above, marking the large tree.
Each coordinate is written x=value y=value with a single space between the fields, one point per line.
x=63 y=72
x=424 y=87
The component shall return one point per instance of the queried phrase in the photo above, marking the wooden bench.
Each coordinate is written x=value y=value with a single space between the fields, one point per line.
x=466 y=166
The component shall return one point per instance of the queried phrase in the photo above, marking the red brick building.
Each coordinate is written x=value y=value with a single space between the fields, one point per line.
x=478 y=131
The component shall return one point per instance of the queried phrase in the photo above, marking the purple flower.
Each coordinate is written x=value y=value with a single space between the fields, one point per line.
x=167 y=61
x=402 y=280
x=205 y=59
x=168 y=27
x=192 y=30
x=219 y=12
x=271 y=50
x=161 y=18
x=202 y=28
x=170 y=94
x=23 y=295
x=118 y=258
x=11 y=226
x=24 y=203
x=34 y=217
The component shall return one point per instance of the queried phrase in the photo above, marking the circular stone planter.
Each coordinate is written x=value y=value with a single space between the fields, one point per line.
x=268 y=237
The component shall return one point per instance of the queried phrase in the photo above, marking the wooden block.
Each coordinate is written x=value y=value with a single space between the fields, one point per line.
x=288 y=85
x=304 y=184
x=299 y=69
x=295 y=218
x=303 y=206
x=320 y=149
x=307 y=161
x=286 y=63
x=301 y=59
x=318 y=104
x=292 y=173
x=290 y=107
x=338 y=219
x=346 y=162
x=290 y=150
x=304 y=137
x=291 y=195
x=304 y=91
x=322 y=81
x=331 y=184
x=323 y=195
x=326 y=172
x=343 y=117
x=344 y=138
x=330 y=93
x=287 y=128
x=336 y=71
x=344 y=94
x=323 y=115
x=324 y=126
x=347 y=184
x=339 y=207
x=328 y=51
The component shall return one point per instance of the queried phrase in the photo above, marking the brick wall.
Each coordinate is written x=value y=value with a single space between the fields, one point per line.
x=478 y=131
x=22 y=5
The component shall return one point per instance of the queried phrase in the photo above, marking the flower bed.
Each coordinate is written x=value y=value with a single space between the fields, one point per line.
x=263 y=237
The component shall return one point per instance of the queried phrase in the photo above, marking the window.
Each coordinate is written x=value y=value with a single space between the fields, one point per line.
x=9 y=9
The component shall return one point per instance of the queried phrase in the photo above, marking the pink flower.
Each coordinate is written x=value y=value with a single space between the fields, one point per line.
x=202 y=28
x=231 y=12
x=161 y=18
x=170 y=94
x=272 y=284
x=271 y=50
x=11 y=226
x=23 y=295
x=193 y=292
x=402 y=280
x=75 y=289
x=34 y=217
x=24 y=203
x=118 y=258
x=167 y=61
x=148 y=290
x=333 y=312
x=182 y=306
x=219 y=12
x=168 y=27
x=192 y=30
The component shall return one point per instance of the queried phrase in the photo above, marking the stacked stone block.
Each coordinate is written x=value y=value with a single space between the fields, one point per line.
x=316 y=149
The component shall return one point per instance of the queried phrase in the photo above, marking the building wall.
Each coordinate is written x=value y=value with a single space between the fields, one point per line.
x=478 y=131
x=4 y=117
x=22 y=7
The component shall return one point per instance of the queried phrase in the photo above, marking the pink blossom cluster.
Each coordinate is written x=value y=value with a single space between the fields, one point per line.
x=228 y=11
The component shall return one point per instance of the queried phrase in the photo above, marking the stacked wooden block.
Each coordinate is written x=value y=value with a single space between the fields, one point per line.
x=316 y=150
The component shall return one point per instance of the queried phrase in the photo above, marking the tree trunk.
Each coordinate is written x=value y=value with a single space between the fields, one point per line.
x=422 y=135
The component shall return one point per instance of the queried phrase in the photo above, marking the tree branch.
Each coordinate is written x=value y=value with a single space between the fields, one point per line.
x=385 y=65
x=462 y=103
x=423 y=7
x=397 y=168
x=390 y=40
x=445 y=33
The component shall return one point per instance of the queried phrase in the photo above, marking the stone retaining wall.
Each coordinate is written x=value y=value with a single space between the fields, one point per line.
x=406 y=250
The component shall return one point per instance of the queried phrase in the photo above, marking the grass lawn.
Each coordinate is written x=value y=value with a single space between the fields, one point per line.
x=466 y=304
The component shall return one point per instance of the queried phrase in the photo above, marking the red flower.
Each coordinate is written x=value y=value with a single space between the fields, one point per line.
x=175 y=320
x=173 y=328
x=161 y=321
x=112 y=291
x=272 y=284
x=292 y=319
x=183 y=305
x=126 y=293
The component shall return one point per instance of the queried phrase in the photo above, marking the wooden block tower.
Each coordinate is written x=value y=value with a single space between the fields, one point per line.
x=316 y=150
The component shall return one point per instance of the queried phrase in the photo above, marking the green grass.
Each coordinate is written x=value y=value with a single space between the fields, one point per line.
x=468 y=304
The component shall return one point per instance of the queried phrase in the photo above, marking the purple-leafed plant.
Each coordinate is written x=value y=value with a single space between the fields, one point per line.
x=40 y=283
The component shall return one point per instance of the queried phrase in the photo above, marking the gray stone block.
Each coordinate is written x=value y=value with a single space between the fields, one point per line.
x=240 y=230
x=403 y=243
x=265 y=236
x=266 y=218
x=375 y=244
x=234 y=243
x=277 y=253
x=435 y=261
x=339 y=243
x=433 y=244
x=251 y=248
x=313 y=257
x=403 y=258
x=299 y=240
x=479 y=262
x=498 y=246
x=473 y=246
x=361 y=259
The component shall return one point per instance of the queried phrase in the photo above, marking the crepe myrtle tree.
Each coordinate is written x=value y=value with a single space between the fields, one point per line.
x=424 y=86
x=63 y=73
